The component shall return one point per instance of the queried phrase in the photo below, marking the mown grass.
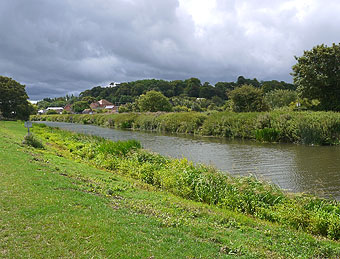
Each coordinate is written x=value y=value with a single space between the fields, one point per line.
x=52 y=206
x=320 y=128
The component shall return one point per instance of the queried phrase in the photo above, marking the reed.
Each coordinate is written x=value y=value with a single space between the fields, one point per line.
x=317 y=128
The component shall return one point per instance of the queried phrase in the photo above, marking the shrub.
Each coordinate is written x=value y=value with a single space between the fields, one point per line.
x=154 y=101
x=30 y=140
x=280 y=98
x=247 y=98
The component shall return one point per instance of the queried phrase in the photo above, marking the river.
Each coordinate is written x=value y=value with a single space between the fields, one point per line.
x=296 y=168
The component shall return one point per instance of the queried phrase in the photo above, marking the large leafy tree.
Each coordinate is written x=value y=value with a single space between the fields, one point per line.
x=13 y=99
x=317 y=75
x=154 y=101
x=247 y=98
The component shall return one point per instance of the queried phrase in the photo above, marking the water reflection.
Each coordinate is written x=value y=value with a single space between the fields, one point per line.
x=293 y=167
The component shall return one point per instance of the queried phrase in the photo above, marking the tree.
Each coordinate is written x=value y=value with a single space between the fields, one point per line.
x=280 y=98
x=268 y=86
x=13 y=99
x=317 y=76
x=154 y=101
x=88 y=99
x=247 y=98
x=80 y=106
x=192 y=88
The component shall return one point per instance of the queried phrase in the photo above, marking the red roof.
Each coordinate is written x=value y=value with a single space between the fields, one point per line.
x=100 y=104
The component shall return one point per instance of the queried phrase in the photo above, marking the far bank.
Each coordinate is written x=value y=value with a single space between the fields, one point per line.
x=311 y=128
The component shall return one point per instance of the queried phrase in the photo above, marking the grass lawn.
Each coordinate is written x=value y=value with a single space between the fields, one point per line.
x=53 y=206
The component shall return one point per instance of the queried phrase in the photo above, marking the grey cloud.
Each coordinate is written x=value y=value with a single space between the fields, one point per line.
x=60 y=47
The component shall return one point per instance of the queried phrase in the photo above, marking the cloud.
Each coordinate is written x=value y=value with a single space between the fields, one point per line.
x=67 y=46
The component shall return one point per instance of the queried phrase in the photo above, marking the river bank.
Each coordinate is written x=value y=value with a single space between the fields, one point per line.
x=292 y=167
x=317 y=128
x=200 y=183
x=130 y=208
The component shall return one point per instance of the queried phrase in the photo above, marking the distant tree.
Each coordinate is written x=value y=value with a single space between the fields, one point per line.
x=80 y=106
x=246 y=81
x=178 y=87
x=13 y=99
x=125 y=99
x=268 y=86
x=317 y=75
x=222 y=89
x=247 y=98
x=217 y=100
x=207 y=91
x=192 y=88
x=88 y=99
x=280 y=98
x=154 y=101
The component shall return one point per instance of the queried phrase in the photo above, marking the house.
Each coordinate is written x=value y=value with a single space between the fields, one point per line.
x=102 y=104
x=68 y=107
x=56 y=109
x=87 y=111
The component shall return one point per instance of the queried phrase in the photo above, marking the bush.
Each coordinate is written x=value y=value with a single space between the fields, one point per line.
x=280 y=98
x=50 y=112
x=30 y=140
x=154 y=101
x=247 y=98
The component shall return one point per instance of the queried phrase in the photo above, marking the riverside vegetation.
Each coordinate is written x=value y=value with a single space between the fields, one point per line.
x=139 y=204
x=201 y=183
x=320 y=128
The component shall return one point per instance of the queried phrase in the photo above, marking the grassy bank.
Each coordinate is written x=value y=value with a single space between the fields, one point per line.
x=320 y=128
x=53 y=206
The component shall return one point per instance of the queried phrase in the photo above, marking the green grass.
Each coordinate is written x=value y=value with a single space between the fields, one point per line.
x=52 y=206
x=199 y=182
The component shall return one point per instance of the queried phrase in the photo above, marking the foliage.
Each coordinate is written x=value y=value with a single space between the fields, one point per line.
x=154 y=101
x=205 y=184
x=267 y=135
x=56 y=102
x=274 y=85
x=280 y=98
x=32 y=108
x=128 y=92
x=88 y=99
x=80 y=106
x=13 y=99
x=319 y=128
x=50 y=112
x=193 y=86
x=247 y=98
x=118 y=147
x=317 y=75
x=30 y=140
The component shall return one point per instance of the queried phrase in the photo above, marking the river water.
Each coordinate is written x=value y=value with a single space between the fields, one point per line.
x=297 y=168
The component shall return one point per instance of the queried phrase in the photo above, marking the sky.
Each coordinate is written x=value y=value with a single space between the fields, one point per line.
x=67 y=46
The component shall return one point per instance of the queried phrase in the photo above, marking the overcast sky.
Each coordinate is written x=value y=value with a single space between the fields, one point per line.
x=56 y=47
